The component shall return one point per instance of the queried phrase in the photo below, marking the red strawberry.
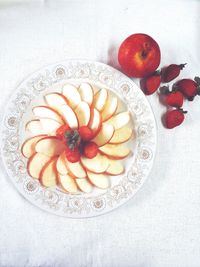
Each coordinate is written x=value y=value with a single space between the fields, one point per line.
x=188 y=87
x=174 y=99
x=150 y=84
x=72 y=155
x=174 y=118
x=61 y=130
x=85 y=133
x=90 y=150
x=171 y=72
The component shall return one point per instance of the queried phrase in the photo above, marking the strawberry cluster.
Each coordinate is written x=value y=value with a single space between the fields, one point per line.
x=78 y=142
x=172 y=97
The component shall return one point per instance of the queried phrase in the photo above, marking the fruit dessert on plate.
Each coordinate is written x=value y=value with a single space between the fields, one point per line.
x=79 y=138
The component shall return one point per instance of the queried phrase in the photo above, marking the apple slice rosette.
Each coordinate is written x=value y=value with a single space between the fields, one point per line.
x=78 y=139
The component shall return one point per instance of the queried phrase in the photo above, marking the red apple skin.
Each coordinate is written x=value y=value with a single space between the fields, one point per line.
x=139 y=55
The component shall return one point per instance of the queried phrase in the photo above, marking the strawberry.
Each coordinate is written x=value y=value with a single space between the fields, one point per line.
x=150 y=84
x=90 y=150
x=171 y=72
x=85 y=133
x=188 y=87
x=174 y=118
x=72 y=155
x=61 y=131
x=174 y=99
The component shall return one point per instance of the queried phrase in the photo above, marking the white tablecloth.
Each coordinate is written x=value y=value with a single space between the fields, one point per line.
x=160 y=226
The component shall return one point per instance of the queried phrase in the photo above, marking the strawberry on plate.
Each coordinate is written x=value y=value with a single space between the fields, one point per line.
x=90 y=150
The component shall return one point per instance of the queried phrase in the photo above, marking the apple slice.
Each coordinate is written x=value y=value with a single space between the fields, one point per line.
x=47 y=112
x=69 y=116
x=84 y=185
x=28 y=147
x=105 y=134
x=100 y=99
x=50 y=146
x=75 y=169
x=98 y=164
x=55 y=100
x=35 y=127
x=83 y=113
x=95 y=121
x=121 y=135
x=35 y=164
x=119 y=120
x=115 y=167
x=72 y=95
x=67 y=183
x=109 y=108
x=86 y=93
x=115 y=151
x=99 y=180
x=61 y=164
x=48 y=175
x=50 y=125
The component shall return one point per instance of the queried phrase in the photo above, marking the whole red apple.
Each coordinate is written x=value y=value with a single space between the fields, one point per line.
x=139 y=55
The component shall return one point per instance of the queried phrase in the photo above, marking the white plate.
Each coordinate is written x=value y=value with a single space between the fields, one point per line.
x=30 y=92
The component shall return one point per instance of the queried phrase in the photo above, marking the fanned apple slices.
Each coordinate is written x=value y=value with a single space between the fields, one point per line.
x=100 y=110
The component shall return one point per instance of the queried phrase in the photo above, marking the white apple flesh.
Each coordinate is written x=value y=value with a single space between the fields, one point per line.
x=69 y=116
x=35 y=164
x=47 y=112
x=105 y=134
x=98 y=164
x=48 y=175
x=119 y=120
x=84 y=185
x=72 y=95
x=115 y=151
x=86 y=93
x=99 y=180
x=67 y=183
x=82 y=112
x=109 y=108
x=28 y=147
x=121 y=135
x=50 y=146
x=100 y=99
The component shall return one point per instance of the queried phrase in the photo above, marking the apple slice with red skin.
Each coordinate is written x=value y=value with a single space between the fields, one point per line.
x=105 y=134
x=86 y=93
x=55 y=100
x=109 y=108
x=84 y=185
x=119 y=120
x=47 y=112
x=50 y=146
x=99 y=180
x=49 y=125
x=28 y=147
x=35 y=127
x=95 y=121
x=48 y=175
x=72 y=95
x=100 y=99
x=98 y=164
x=67 y=183
x=69 y=116
x=115 y=151
x=61 y=164
x=75 y=169
x=121 y=135
x=115 y=167
x=35 y=164
x=82 y=112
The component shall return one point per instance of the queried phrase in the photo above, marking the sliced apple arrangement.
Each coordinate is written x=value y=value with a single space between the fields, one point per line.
x=78 y=139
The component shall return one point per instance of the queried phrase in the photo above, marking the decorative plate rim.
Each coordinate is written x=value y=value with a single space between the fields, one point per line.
x=72 y=206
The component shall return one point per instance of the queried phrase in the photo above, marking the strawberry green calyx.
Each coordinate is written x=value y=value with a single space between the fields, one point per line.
x=164 y=90
x=181 y=110
x=72 y=138
x=197 y=80
x=181 y=66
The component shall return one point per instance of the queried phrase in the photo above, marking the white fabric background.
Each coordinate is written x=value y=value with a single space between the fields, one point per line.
x=160 y=226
